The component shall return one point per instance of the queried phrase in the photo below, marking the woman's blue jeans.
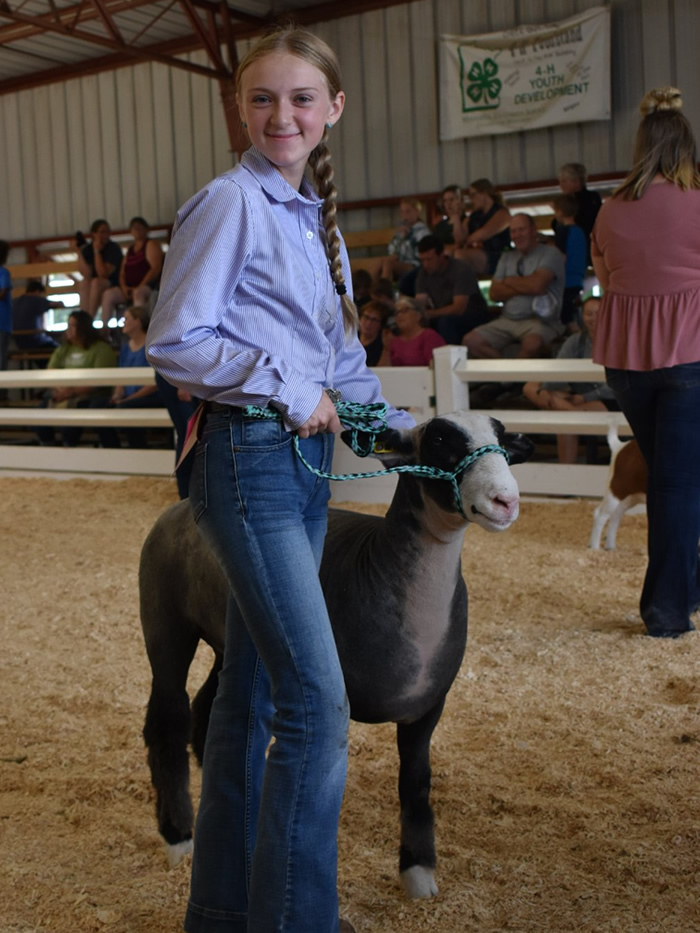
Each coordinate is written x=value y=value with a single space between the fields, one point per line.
x=663 y=409
x=265 y=843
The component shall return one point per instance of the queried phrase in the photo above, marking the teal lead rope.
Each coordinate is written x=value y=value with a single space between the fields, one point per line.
x=371 y=420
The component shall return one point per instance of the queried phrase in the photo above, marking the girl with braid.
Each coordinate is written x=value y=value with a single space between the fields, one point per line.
x=254 y=309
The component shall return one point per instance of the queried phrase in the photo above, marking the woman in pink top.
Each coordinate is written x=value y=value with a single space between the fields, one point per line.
x=646 y=253
x=414 y=343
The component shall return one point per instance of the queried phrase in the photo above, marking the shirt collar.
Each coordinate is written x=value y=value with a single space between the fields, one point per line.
x=272 y=181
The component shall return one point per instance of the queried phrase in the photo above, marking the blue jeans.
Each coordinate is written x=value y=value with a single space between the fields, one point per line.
x=663 y=409
x=265 y=843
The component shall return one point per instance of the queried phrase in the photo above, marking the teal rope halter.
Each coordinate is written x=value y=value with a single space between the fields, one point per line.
x=371 y=420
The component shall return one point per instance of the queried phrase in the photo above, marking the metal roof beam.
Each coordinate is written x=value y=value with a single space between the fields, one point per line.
x=258 y=22
x=69 y=15
x=325 y=12
x=209 y=41
x=108 y=22
x=229 y=36
x=142 y=54
x=161 y=52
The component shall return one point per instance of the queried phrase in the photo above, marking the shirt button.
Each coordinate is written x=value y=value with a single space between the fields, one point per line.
x=309 y=235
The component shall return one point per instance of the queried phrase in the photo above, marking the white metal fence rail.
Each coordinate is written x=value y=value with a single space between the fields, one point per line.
x=424 y=391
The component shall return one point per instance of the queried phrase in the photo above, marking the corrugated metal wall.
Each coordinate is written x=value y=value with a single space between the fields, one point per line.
x=141 y=140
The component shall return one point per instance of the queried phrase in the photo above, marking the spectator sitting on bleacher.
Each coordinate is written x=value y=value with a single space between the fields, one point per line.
x=450 y=226
x=139 y=275
x=488 y=232
x=572 y=242
x=5 y=304
x=99 y=263
x=28 y=314
x=414 y=342
x=529 y=280
x=132 y=353
x=572 y=180
x=448 y=291
x=557 y=396
x=373 y=318
x=84 y=348
x=403 y=249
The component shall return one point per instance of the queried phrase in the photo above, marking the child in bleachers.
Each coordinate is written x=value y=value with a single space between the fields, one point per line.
x=571 y=241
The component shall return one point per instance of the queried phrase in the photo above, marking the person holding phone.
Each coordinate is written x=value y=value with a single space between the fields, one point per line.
x=99 y=262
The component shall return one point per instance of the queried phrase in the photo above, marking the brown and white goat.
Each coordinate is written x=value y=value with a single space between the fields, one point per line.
x=627 y=487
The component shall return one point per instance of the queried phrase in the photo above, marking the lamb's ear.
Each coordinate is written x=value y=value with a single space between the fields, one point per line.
x=520 y=448
x=392 y=447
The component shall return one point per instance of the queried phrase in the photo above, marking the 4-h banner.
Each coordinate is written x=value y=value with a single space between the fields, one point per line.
x=527 y=77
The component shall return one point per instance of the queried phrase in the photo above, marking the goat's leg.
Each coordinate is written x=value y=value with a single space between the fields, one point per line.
x=607 y=506
x=417 y=852
x=614 y=524
x=616 y=516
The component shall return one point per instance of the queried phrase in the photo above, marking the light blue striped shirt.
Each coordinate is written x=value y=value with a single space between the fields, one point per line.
x=247 y=312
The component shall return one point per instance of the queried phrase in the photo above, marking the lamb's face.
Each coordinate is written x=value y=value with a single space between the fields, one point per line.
x=487 y=488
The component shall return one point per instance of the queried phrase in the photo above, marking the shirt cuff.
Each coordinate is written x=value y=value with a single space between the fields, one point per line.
x=297 y=401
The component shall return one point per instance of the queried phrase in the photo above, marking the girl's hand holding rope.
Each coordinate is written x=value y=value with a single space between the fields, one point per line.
x=324 y=419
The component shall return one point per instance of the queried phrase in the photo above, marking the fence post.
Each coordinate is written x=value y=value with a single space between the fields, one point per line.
x=451 y=394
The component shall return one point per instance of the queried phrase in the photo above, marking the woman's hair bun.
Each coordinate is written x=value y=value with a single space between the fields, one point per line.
x=661 y=98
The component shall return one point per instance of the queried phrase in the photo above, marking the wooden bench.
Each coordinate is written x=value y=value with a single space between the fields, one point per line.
x=23 y=272
x=364 y=239
x=371 y=239
x=63 y=252
x=355 y=240
x=367 y=240
x=29 y=356
x=38 y=270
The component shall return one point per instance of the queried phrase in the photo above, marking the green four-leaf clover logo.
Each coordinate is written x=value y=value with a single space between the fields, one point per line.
x=480 y=86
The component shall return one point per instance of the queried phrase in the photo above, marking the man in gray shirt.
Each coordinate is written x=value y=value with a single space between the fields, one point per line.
x=448 y=291
x=529 y=280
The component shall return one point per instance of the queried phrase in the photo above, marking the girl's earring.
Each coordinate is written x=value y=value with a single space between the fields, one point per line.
x=329 y=125
x=244 y=125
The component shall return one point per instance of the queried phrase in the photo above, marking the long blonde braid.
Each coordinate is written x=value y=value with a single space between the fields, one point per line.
x=320 y=162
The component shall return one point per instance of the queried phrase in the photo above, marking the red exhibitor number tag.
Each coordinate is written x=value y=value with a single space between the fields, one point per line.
x=194 y=427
